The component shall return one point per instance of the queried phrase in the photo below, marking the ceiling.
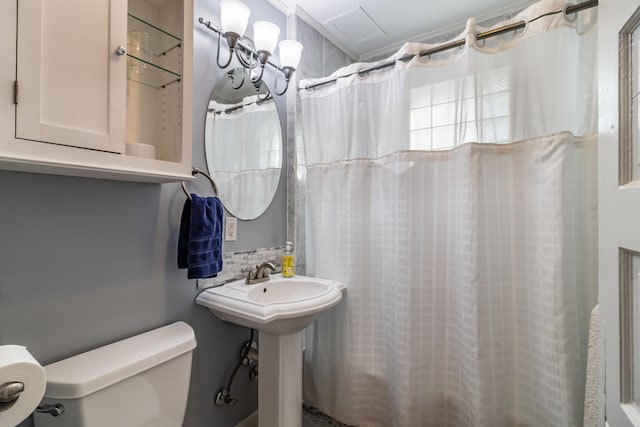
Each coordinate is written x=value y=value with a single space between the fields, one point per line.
x=368 y=29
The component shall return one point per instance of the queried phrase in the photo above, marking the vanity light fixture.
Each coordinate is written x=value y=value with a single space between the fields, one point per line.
x=234 y=17
x=254 y=54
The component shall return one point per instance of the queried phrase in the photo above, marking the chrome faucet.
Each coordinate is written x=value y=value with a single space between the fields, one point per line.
x=261 y=274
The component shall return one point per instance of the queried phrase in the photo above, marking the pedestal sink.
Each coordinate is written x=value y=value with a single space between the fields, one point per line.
x=279 y=309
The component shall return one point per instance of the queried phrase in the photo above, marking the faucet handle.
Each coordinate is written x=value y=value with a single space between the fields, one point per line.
x=251 y=272
x=261 y=273
x=266 y=267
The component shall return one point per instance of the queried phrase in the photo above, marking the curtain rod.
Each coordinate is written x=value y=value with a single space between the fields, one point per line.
x=239 y=106
x=572 y=8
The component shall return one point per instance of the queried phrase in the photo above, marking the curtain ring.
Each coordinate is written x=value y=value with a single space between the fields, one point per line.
x=423 y=59
x=569 y=17
x=523 y=30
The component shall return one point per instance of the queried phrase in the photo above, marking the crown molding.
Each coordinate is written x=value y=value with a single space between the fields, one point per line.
x=282 y=6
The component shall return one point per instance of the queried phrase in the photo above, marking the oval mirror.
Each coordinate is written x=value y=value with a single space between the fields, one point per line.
x=243 y=144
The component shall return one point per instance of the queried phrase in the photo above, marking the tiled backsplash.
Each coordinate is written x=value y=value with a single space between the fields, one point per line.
x=234 y=262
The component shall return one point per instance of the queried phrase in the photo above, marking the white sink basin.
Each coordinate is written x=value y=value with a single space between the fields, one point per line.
x=279 y=306
x=279 y=309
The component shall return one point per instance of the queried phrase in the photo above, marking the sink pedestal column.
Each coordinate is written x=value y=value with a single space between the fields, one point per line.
x=280 y=380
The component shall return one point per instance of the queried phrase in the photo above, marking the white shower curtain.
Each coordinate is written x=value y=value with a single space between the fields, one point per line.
x=456 y=196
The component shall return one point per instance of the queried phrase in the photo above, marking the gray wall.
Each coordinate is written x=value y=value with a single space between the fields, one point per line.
x=86 y=262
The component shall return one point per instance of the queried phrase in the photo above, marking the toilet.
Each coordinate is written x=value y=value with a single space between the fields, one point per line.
x=139 y=381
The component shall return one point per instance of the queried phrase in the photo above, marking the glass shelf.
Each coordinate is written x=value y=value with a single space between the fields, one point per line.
x=148 y=48
x=149 y=74
x=151 y=39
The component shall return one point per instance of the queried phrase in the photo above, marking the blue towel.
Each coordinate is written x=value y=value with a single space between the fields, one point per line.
x=183 y=237
x=200 y=238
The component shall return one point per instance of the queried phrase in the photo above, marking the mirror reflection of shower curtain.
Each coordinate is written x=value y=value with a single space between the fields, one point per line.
x=244 y=155
x=456 y=197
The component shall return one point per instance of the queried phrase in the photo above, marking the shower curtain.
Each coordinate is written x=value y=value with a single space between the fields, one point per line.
x=456 y=196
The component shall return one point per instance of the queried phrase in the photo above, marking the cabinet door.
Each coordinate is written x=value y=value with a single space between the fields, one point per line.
x=72 y=84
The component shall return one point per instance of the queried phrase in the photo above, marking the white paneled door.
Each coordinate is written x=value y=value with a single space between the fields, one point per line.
x=619 y=208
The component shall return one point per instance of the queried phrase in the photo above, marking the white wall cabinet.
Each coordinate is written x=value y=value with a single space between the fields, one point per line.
x=103 y=88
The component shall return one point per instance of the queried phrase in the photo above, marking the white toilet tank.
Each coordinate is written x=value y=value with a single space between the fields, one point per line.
x=139 y=381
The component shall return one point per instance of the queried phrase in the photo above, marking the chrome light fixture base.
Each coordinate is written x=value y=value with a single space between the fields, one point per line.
x=249 y=57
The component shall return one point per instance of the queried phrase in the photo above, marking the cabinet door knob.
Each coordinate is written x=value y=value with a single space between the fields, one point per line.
x=120 y=51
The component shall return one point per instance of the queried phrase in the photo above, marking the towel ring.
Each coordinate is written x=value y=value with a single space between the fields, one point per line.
x=194 y=172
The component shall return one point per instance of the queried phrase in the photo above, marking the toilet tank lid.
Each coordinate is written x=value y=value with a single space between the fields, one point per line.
x=86 y=373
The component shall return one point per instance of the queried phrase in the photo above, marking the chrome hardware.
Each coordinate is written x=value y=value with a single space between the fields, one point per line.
x=194 y=172
x=224 y=398
x=251 y=276
x=120 y=51
x=54 y=410
x=10 y=391
x=249 y=353
x=261 y=274
x=253 y=373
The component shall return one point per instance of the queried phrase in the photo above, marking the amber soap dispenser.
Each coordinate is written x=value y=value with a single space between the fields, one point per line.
x=288 y=261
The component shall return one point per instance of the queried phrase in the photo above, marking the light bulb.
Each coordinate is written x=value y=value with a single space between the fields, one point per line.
x=234 y=16
x=290 y=52
x=265 y=35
